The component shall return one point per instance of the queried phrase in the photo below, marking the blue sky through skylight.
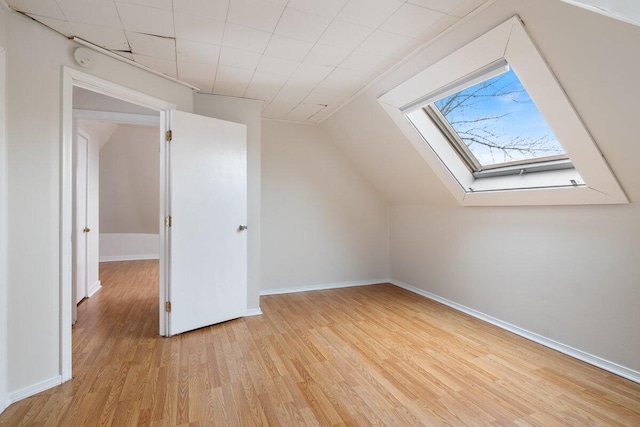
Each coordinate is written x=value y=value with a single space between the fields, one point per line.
x=498 y=122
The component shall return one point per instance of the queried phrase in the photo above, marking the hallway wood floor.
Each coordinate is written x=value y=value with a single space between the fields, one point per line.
x=375 y=355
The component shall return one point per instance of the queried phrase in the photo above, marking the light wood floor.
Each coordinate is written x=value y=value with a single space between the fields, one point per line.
x=374 y=355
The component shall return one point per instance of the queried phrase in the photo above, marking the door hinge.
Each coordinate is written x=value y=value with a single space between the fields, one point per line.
x=167 y=307
x=169 y=136
x=167 y=221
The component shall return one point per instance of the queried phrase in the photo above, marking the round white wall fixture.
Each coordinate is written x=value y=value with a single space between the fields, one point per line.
x=83 y=57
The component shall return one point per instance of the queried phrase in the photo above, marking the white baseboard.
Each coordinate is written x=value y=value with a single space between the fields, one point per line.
x=4 y=403
x=128 y=246
x=95 y=288
x=253 y=312
x=128 y=257
x=599 y=362
x=33 y=389
x=322 y=287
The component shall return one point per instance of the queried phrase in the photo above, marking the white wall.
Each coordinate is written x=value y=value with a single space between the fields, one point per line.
x=322 y=222
x=129 y=246
x=129 y=180
x=35 y=59
x=566 y=273
x=245 y=111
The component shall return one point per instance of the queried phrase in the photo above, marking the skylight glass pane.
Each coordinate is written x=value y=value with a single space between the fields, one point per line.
x=499 y=123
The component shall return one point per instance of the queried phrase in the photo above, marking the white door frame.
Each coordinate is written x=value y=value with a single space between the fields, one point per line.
x=73 y=78
x=76 y=236
x=3 y=235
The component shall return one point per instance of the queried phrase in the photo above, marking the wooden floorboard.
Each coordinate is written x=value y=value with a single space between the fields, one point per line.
x=375 y=355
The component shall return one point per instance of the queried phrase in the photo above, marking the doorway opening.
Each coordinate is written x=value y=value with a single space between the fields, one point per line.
x=202 y=215
x=116 y=187
x=106 y=102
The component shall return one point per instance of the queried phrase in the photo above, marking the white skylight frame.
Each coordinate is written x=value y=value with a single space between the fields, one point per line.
x=506 y=43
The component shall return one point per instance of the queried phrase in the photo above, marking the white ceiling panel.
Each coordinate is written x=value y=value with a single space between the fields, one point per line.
x=258 y=14
x=63 y=27
x=159 y=47
x=233 y=57
x=362 y=61
x=301 y=25
x=309 y=75
x=108 y=38
x=368 y=13
x=345 y=35
x=264 y=86
x=147 y=20
x=160 y=4
x=199 y=75
x=296 y=55
x=323 y=114
x=322 y=54
x=165 y=66
x=245 y=38
x=286 y=48
x=212 y=9
x=384 y=43
x=278 y=109
x=94 y=12
x=45 y=8
x=326 y=8
x=438 y=27
x=125 y=55
x=198 y=29
x=190 y=51
x=411 y=20
x=303 y=111
x=339 y=83
x=446 y=6
x=279 y=66
x=467 y=7
x=232 y=81
x=293 y=93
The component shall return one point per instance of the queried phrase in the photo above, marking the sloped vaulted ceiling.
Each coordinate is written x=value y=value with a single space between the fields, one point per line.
x=626 y=10
x=594 y=58
x=304 y=58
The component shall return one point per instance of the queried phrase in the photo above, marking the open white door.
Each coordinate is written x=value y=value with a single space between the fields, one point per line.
x=82 y=167
x=208 y=209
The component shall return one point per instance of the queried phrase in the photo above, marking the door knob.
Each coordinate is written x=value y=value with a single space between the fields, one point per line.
x=242 y=227
x=86 y=230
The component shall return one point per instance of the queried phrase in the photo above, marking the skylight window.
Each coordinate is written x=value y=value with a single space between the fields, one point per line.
x=496 y=126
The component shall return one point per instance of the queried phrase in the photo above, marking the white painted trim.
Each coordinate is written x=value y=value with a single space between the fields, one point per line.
x=113 y=90
x=129 y=246
x=33 y=389
x=130 y=62
x=322 y=287
x=71 y=78
x=4 y=329
x=120 y=118
x=128 y=257
x=94 y=288
x=508 y=43
x=253 y=312
x=599 y=362
x=607 y=13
